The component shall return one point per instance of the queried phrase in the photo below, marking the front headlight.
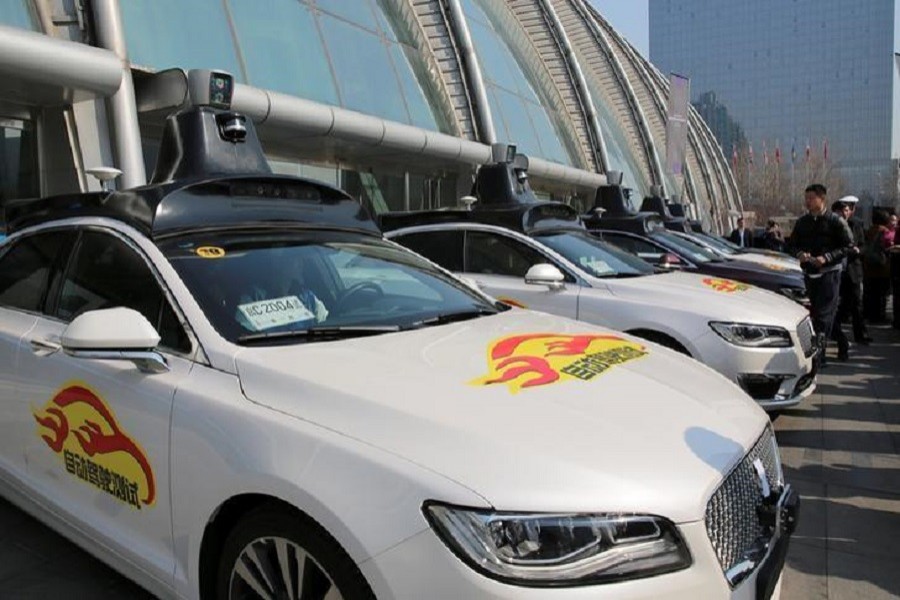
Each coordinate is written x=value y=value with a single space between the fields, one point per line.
x=753 y=336
x=559 y=549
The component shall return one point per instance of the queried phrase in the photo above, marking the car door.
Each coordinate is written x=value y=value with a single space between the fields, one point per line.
x=97 y=450
x=27 y=266
x=498 y=264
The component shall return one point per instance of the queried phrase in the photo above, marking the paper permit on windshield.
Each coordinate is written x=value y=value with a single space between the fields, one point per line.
x=595 y=264
x=266 y=314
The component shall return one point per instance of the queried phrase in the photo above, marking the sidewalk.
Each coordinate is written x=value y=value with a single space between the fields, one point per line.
x=841 y=450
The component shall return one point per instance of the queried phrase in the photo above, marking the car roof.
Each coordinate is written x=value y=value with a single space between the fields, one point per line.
x=528 y=218
x=159 y=210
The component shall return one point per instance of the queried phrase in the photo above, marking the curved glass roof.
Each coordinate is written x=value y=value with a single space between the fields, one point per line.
x=519 y=115
x=619 y=152
x=339 y=52
x=15 y=13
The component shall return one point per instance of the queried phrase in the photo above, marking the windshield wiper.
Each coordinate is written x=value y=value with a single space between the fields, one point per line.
x=463 y=315
x=620 y=275
x=321 y=332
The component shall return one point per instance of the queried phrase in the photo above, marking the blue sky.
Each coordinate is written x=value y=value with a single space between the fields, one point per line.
x=631 y=18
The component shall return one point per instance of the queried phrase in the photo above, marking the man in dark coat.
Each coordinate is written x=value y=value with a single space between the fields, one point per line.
x=821 y=241
x=741 y=236
x=851 y=279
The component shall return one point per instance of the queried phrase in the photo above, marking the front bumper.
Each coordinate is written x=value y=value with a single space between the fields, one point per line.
x=775 y=378
x=423 y=567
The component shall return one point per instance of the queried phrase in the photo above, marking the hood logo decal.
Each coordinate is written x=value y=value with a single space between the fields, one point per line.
x=725 y=285
x=536 y=359
x=81 y=428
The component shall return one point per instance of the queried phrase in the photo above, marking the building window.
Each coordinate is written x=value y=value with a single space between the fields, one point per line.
x=18 y=160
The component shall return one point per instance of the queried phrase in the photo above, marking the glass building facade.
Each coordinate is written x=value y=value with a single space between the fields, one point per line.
x=401 y=117
x=791 y=74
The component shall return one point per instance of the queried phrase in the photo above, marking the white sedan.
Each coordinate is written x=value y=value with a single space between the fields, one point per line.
x=293 y=407
x=760 y=340
x=775 y=261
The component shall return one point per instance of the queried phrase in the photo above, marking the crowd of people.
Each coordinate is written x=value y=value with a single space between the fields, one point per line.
x=850 y=268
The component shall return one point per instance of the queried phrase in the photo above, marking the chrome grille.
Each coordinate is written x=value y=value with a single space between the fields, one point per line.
x=732 y=522
x=807 y=335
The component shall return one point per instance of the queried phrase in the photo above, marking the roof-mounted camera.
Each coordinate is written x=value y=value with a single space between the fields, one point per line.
x=210 y=88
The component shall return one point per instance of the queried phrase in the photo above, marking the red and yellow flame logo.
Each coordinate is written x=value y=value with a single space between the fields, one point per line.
x=511 y=301
x=79 y=426
x=725 y=285
x=536 y=359
x=775 y=267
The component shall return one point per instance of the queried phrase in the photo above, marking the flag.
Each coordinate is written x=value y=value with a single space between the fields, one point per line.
x=807 y=150
x=734 y=157
x=825 y=150
x=793 y=151
x=777 y=152
x=765 y=154
x=750 y=154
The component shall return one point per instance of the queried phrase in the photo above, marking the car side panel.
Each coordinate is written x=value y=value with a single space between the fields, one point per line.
x=224 y=445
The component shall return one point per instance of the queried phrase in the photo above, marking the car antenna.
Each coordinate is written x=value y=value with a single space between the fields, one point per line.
x=104 y=175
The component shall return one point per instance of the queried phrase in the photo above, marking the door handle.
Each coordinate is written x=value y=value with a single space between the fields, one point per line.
x=44 y=347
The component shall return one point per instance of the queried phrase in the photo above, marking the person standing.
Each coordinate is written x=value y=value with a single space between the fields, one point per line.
x=850 y=305
x=741 y=236
x=820 y=241
x=774 y=239
x=876 y=269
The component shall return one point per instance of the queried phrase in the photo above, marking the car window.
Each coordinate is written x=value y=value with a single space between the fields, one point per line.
x=596 y=257
x=440 y=247
x=105 y=272
x=688 y=248
x=26 y=267
x=643 y=248
x=492 y=254
x=256 y=284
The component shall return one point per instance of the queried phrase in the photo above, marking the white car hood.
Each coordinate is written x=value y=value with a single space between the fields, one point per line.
x=653 y=435
x=712 y=298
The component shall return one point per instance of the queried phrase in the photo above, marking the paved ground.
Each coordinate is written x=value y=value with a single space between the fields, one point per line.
x=841 y=449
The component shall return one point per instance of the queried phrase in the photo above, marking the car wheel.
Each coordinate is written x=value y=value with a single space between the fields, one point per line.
x=274 y=553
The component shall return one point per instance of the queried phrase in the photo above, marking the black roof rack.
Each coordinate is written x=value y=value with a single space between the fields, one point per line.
x=613 y=210
x=505 y=199
x=205 y=179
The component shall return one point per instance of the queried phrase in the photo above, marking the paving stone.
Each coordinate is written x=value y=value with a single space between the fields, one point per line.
x=802 y=578
x=853 y=577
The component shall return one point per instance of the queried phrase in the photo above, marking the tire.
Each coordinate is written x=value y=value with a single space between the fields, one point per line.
x=282 y=540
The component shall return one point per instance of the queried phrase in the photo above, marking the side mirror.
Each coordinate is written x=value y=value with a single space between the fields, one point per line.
x=545 y=274
x=114 y=334
x=670 y=261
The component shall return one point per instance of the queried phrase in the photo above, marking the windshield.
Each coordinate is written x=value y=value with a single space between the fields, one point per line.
x=718 y=244
x=596 y=257
x=694 y=252
x=266 y=286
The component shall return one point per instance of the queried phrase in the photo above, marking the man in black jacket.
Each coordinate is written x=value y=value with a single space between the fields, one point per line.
x=821 y=240
x=851 y=279
x=741 y=236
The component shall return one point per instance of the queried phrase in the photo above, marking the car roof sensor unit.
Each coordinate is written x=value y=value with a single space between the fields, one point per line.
x=656 y=204
x=504 y=181
x=208 y=139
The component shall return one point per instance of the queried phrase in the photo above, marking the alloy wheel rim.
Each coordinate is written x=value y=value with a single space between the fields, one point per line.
x=275 y=568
